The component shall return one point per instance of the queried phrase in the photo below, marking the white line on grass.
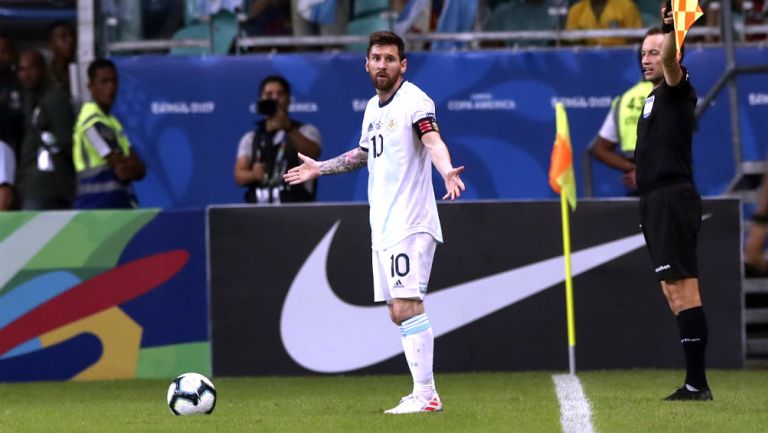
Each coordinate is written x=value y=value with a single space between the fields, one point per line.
x=575 y=414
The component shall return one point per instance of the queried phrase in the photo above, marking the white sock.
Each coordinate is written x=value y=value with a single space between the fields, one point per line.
x=418 y=345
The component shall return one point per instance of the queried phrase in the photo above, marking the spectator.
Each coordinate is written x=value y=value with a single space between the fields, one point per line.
x=268 y=18
x=521 y=15
x=265 y=154
x=414 y=16
x=11 y=118
x=8 y=60
x=743 y=12
x=46 y=179
x=160 y=19
x=755 y=264
x=105 y=162
x=456 y=16
x=319 y=17
x=201 y=10
x=7 y=175
x=604 y=14
x=61 y=42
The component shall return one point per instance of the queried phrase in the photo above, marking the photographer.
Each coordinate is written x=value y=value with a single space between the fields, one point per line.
x=266 y=153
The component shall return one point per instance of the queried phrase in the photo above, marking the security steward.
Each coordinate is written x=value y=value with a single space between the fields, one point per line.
x=105 y=163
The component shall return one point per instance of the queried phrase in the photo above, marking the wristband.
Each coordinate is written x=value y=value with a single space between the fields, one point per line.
x=760 y=218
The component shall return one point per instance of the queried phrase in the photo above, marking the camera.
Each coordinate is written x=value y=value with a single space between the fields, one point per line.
x=267 y=107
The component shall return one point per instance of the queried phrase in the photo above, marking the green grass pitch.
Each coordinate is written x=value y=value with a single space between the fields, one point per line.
x=621 y=401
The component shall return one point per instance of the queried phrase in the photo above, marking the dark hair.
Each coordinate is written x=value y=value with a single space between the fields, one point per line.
x=55 y=25
x=99 y=64
x=274 y=79
x=37 y=58
x=656 y=31
x=387 y=38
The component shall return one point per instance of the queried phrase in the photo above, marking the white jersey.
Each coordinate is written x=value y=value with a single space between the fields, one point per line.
x=400 y=190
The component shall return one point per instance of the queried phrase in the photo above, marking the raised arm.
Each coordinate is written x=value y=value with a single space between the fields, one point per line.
x=310 y=169
x=438 y=152
x=673 y=73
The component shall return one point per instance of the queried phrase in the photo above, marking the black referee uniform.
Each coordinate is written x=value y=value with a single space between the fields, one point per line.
x=670 y=212
x=670 y=207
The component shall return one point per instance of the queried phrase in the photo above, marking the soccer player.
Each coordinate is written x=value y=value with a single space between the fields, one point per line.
x=670 y=206
x=399 y=141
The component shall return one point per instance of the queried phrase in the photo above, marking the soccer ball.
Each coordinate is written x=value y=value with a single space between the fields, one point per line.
x=191 y=394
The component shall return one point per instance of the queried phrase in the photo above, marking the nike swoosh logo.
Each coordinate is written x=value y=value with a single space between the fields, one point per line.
x=324 y=334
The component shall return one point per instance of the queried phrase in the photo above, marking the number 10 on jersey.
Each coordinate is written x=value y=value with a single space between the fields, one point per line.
x=378 y=145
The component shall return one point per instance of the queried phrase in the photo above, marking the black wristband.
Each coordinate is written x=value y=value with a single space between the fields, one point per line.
x=667 y=28
x=760 y=218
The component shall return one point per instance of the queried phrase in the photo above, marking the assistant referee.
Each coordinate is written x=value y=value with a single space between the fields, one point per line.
x=670 y=206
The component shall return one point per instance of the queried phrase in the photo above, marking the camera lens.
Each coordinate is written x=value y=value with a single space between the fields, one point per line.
x=267 y=107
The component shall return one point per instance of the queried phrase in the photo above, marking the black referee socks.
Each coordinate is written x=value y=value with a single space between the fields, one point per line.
x=693 y=335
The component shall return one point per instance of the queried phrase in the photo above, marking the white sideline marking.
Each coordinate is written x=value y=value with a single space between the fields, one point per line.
x=575 y=414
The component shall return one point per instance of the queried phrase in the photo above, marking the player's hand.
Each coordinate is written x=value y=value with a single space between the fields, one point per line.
x=453 y=184
x=628 y=179
x=306 y=171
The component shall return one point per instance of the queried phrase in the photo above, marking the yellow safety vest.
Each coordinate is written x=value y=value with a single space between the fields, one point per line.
x=627 y=109
x=98 y=185
x=84 y=153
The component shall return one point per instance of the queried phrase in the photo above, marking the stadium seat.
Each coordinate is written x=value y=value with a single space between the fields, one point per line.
x=224 y=28
x=364 y=8
x=193 y=31
x=366 y=26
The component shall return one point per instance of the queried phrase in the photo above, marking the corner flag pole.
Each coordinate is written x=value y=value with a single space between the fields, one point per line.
x=568 y=284
x=563 y=182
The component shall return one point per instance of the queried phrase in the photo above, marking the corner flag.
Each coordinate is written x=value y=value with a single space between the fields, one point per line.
x=685 y=13
x=561 y=177
x=562 y=181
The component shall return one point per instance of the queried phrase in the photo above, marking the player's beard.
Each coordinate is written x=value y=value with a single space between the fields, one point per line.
x=384 y=84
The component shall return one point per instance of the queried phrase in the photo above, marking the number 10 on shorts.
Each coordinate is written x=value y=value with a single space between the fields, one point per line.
x=399 y=264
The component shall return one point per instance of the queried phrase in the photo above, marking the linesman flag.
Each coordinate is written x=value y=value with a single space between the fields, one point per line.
x=561 y=177
x=685 y=13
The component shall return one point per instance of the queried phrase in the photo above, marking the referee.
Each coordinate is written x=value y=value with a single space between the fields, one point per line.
x=670 y=206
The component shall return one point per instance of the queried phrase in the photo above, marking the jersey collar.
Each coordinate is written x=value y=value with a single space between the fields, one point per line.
x=384 y=104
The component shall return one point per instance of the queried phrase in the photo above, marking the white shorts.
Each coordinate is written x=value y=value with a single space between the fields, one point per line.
x=402 y=271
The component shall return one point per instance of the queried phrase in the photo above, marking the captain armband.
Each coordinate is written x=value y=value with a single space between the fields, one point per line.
x=427 y=124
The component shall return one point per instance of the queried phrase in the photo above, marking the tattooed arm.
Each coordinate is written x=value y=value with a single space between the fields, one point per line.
x=311 y=169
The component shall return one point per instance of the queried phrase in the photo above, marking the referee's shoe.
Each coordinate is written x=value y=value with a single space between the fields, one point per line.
x=684 y=393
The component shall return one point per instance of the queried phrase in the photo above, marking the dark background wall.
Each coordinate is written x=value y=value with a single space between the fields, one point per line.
x=259 y=255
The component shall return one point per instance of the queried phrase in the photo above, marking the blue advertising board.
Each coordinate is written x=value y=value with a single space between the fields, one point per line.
x=186 y=115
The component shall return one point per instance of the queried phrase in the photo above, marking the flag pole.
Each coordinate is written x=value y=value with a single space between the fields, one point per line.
x=568 y=283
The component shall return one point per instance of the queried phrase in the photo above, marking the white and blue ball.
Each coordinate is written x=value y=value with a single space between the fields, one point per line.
x=191 y=394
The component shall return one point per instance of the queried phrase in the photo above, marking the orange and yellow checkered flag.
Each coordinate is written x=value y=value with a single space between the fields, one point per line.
x=561 y=177
x=685 y=13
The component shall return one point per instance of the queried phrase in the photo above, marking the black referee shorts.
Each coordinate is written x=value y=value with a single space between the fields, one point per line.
x=671 y=220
